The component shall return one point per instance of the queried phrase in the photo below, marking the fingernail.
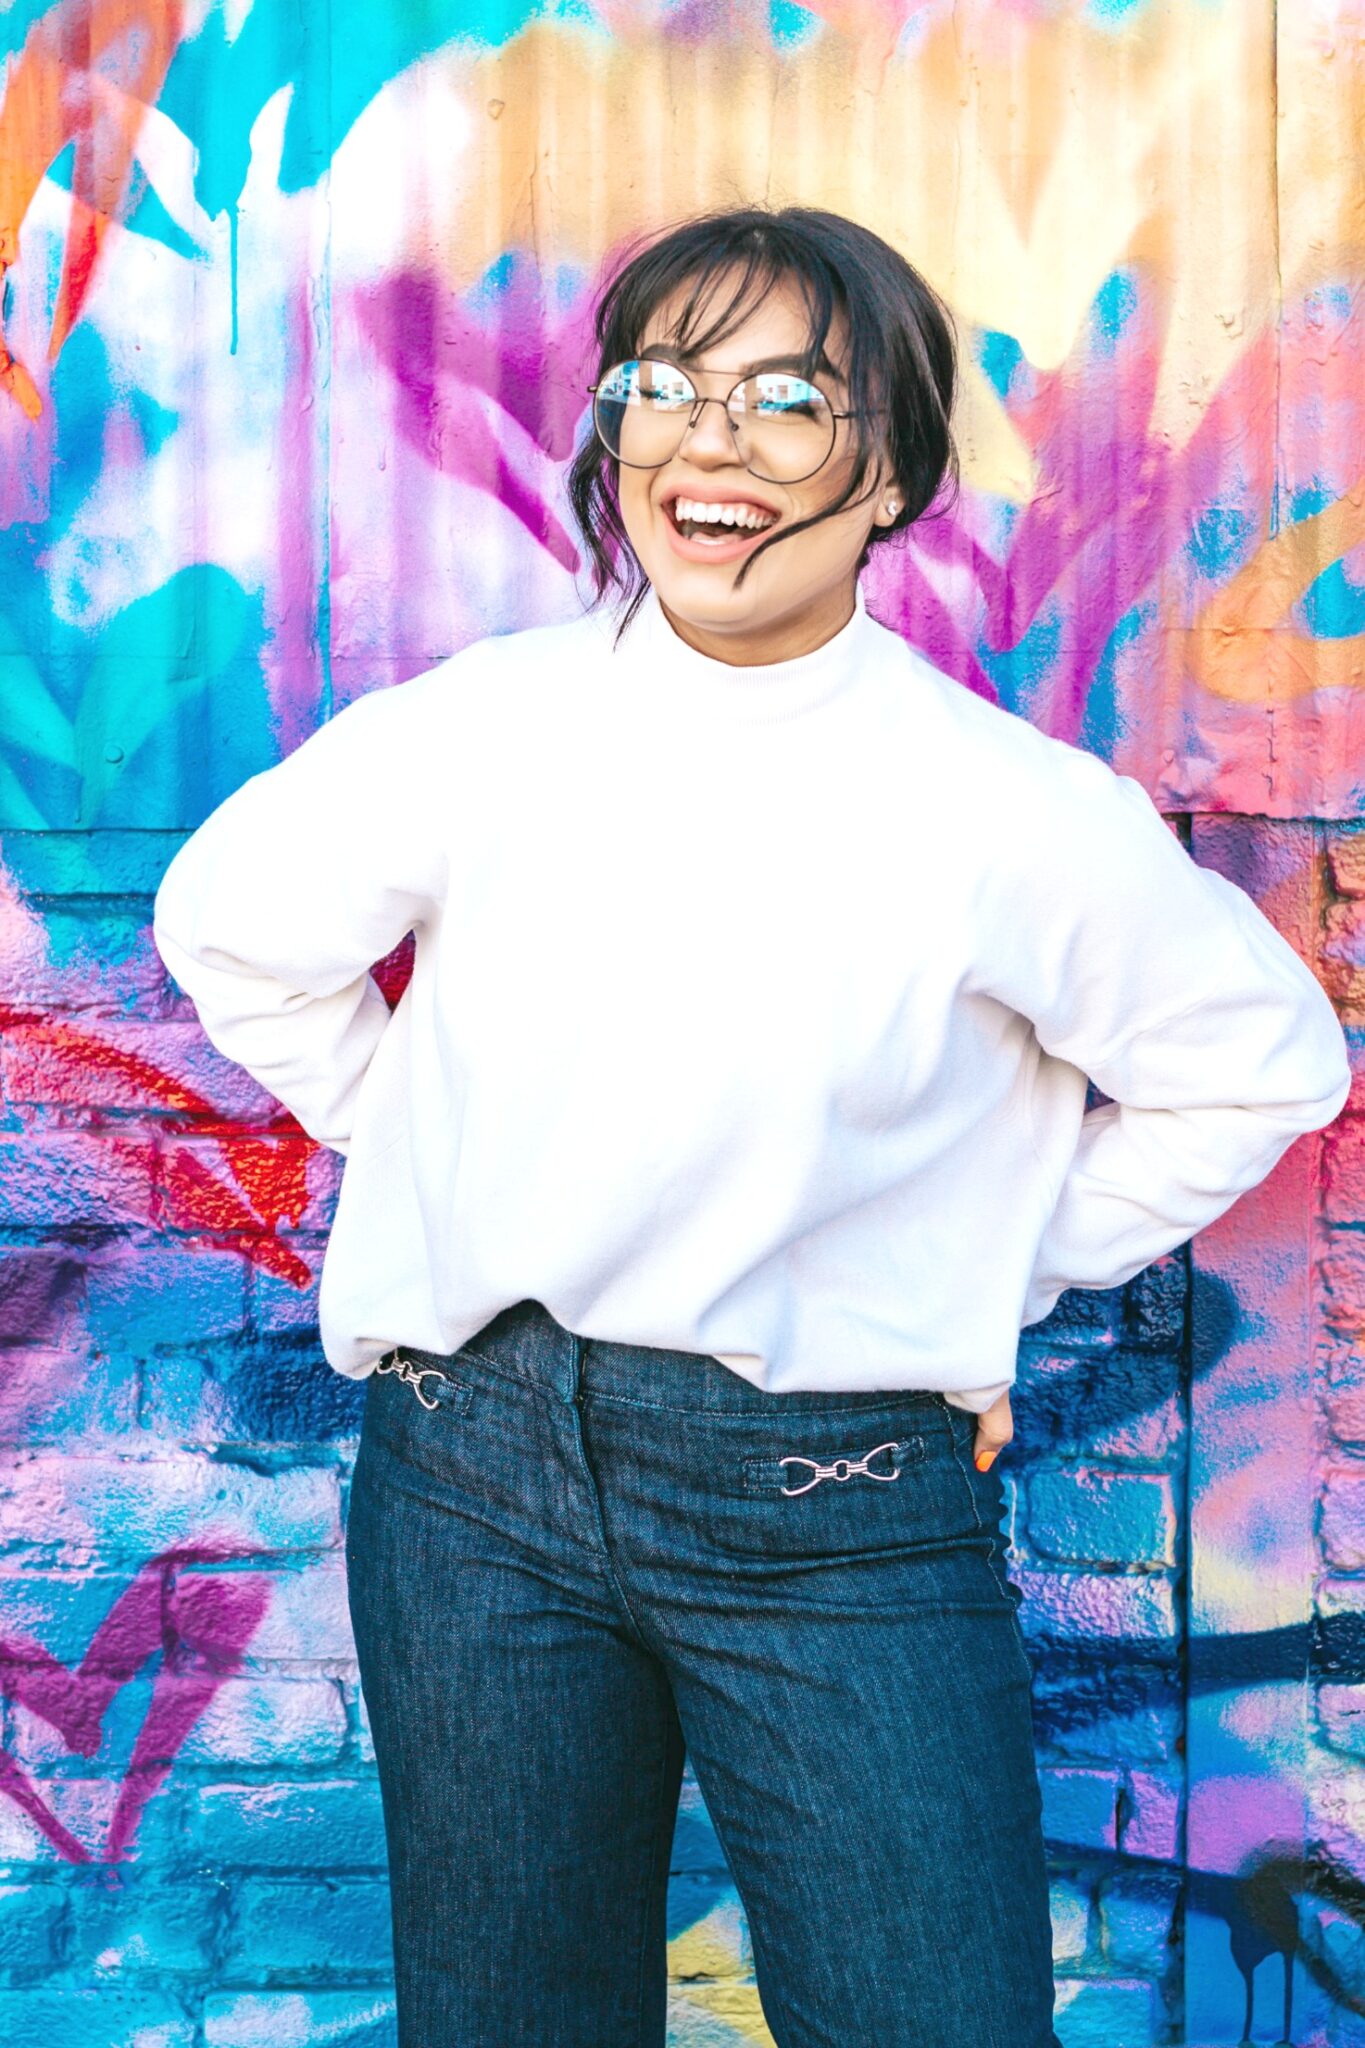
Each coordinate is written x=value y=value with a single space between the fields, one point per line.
x=984 y=1460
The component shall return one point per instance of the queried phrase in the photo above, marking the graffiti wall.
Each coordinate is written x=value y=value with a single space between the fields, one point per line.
x=294 y=335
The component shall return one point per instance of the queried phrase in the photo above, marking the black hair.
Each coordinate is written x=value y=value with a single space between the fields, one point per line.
x=902 y=355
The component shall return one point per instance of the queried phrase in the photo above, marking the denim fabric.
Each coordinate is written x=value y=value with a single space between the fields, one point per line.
x=568 y=1560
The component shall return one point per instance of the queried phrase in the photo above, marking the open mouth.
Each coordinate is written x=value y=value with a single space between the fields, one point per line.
x=718 y=525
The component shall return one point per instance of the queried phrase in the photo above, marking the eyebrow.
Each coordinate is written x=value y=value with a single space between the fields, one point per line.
x=692 y=356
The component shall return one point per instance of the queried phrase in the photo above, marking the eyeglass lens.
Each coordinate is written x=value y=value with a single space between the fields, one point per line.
x=784 y=427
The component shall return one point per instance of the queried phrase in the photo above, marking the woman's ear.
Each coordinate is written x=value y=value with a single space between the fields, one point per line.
x=889 y=504
x=889 y=496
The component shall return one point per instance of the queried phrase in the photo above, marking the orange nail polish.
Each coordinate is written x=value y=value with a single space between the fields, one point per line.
x=984 y=1460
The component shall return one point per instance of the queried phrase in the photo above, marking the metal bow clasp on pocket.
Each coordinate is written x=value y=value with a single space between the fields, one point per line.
x=842 y=1468
x=413 y=1375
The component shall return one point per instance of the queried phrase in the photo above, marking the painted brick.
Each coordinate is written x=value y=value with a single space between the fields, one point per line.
x=360 y=1721
x=1337 y=1809
x=273 y=1390
x=1120 y=1403
x=1079 y=1809
x=198 y=1165
x=1150 y=1815
x=60 y=1611
x=1340 y=1712
x=1090 y=1516
x=1333 y=1937
x=331 y=1825
x=1069 y=1905
x=1151 y=1436
x=116 y=1300
x=711 y=1945
x=1081 y=1318
x=1343 y=1171
x=716 y=2016
x=21 y=1842
x=33 y=1920
x=1338 y=1637
x=1135 y=1609
x=1121 y=2013
x=1344 y=1403
x=101 y=2018
x=63 y=1396
x=83 y=1509
x=65 y=1177
x=170 y=1841
x=1343 y=1519
x=125 y=1924
x=300 y=2019
x=129 y=1063
x=139 y=1297
x=1342 y=959
x=279 y=1305
x=708 y=1931
x=99 y=960
x=1137 y=1915
x=41 y=1748
x=285 y=1721
x=81 y=1806
x=42 y=1293
x=1342 y=1273
x=1112 y=1710
x=100 y=863
x=287 y=1928
x=1154 y=1303
x=307 y=1620
x=1346 y=859
x=696 y=1845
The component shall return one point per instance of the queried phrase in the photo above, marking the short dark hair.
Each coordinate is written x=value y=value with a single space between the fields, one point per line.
x=902 y=355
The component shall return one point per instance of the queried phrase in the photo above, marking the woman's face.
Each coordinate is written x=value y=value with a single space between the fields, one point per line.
x=798 y=593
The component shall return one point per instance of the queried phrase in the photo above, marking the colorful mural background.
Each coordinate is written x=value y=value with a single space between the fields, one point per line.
x=294 y=324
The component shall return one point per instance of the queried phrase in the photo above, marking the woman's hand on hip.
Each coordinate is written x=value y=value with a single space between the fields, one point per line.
x=995 y=1427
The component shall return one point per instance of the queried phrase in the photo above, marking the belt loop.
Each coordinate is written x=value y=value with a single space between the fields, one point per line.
x=577 y=1348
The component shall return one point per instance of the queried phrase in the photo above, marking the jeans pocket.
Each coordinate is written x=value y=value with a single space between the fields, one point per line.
x=828 y=1485
x=414 y=1404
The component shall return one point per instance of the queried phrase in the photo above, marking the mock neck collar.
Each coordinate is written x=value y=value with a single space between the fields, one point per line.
x=667 y=667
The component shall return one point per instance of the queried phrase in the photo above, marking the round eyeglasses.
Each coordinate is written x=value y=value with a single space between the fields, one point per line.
x=783 y=427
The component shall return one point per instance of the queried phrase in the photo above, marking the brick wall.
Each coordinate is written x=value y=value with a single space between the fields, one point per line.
x=179 y=1689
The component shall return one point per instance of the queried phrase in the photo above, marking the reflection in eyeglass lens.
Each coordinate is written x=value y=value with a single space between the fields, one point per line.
x=783 y=426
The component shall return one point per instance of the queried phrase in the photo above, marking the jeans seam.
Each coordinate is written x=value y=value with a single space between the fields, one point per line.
x=447 y=1357
x=608 y=1562
x=875 y=1399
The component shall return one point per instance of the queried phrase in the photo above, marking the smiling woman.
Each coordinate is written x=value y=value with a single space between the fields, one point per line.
x=787 y=362
x=725 y=1051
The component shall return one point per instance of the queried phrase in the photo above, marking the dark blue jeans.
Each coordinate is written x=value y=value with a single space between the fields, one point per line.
x=570 y=1561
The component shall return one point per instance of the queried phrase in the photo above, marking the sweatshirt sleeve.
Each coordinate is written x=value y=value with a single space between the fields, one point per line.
x=1164 y=983
x=272 y=913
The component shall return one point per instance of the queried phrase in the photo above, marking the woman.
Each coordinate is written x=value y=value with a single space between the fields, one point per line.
x=698 y=1187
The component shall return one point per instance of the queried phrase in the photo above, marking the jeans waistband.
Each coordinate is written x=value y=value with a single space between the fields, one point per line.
x=525 y=1342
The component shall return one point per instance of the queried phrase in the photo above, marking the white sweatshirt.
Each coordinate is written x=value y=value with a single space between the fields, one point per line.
x=751 y=1011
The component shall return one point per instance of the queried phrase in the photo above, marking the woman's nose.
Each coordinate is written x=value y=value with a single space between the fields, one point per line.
x=710 y=433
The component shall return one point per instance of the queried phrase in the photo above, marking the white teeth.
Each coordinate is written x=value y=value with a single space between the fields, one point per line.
x=699 y=510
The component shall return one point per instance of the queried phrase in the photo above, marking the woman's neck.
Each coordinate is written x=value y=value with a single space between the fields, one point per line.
x=761 y=643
